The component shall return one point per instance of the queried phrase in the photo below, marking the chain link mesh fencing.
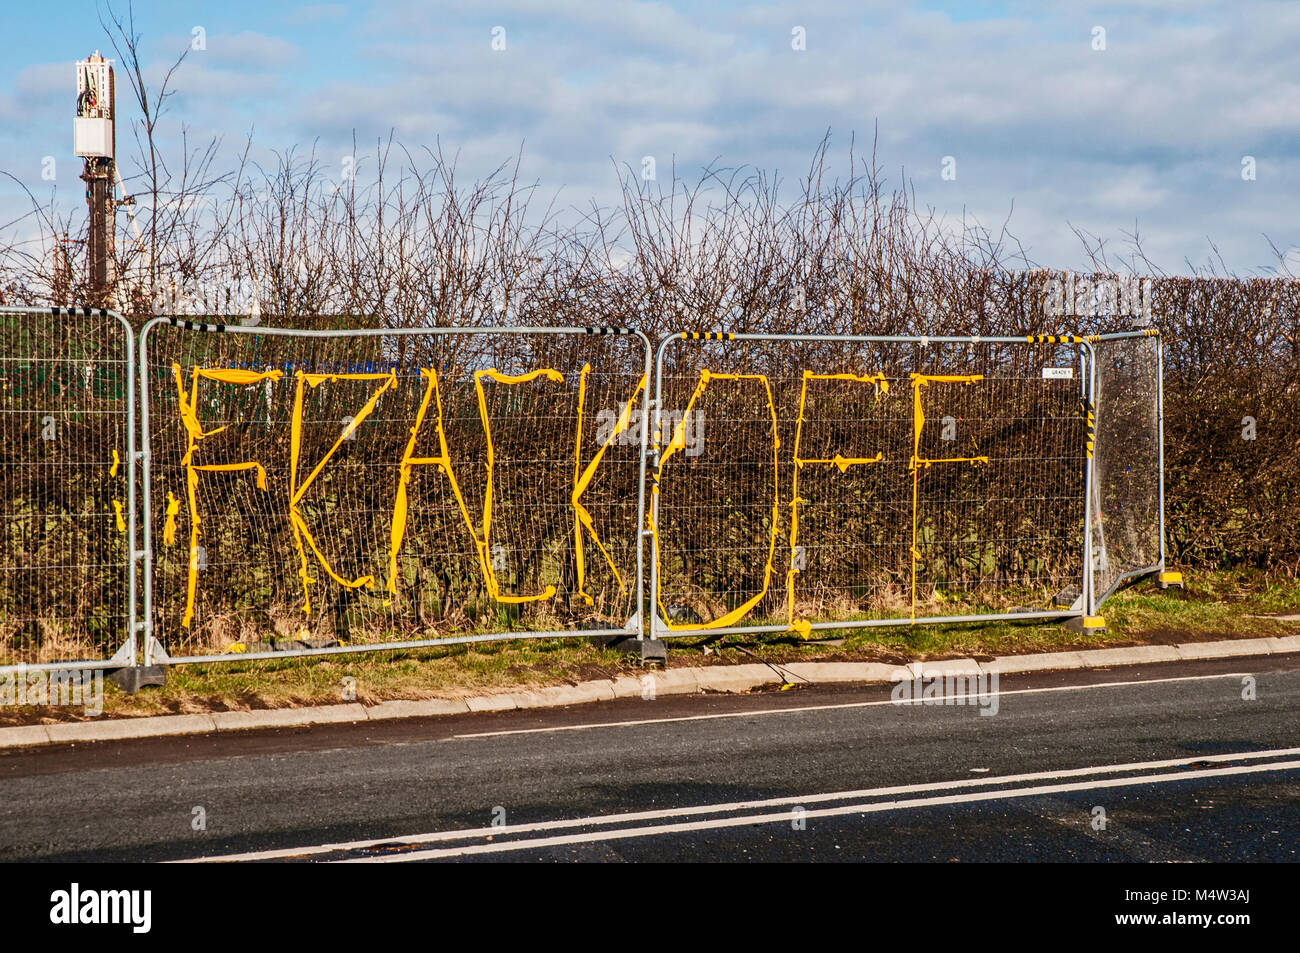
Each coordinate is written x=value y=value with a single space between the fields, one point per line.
x=313 y=491
x=1128 y=502
x=329 y=491
x=66 y=487
x=819 y=482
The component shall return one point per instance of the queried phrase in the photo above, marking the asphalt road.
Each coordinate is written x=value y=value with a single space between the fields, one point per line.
x=1143 y=763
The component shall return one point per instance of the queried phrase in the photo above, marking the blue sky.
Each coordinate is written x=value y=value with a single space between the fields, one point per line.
x=1149 y=132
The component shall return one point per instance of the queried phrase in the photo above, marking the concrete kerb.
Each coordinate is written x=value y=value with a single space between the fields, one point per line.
x=288 y=717
x=412 y=708
x=944 y=668
x=1043 y=662
x=681 y=681
x=24 y=736
x=831 y=672
x=1134 y=655
x=119 y=729
x=503 y=701
x=580 y=694
x=737 y=678
x=1203 y=650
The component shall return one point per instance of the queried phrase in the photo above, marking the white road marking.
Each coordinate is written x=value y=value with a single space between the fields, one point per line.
x=785 y=816
x=724 y=808
x=792 y=710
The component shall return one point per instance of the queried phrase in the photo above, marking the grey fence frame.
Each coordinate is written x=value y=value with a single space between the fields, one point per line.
x=154 y=653
x=128 y=653
x=1087 y=360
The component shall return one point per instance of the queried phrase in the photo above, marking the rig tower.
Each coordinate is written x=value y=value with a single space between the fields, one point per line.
x=94 y=141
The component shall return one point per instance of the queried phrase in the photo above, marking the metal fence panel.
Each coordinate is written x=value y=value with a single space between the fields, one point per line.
x=810 y=482
x=328 y=491
x=1127 y=524
x=67 y=394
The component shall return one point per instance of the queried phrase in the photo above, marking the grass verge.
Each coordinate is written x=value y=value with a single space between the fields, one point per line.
x=1223 y=605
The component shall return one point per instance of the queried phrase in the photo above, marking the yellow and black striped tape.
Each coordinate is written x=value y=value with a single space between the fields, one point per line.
x=1054 y=339
x=1075 y=338
x=1090 y=415
x=708 y=336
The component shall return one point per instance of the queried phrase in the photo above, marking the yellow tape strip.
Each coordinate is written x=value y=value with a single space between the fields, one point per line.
x=918 y=462
x=121 y=522
x=169 y=529
x=881 y=385
x=187 y=401
x=678 y=442
x=234 y=375
x=582 y=479
x=117 y=462
x=228 y=467
x=433 y=395
x=301 y=533
x=404 y=478
x=484 y=553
